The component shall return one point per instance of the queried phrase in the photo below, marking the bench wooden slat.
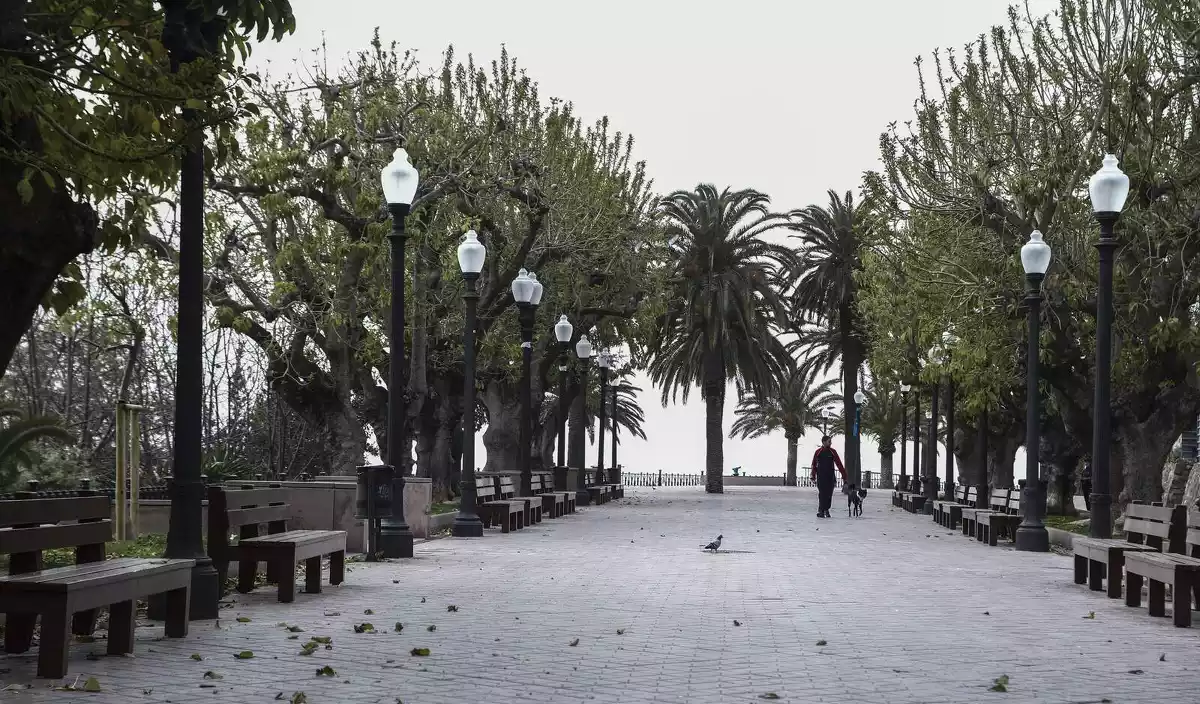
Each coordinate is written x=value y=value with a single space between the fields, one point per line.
x=63 y=535
x=239 y=517
x=95 y=574
x=237 y=497
x=16 y=512
x=298 y=537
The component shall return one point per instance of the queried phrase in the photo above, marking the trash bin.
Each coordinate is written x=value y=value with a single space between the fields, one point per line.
x=373 y=501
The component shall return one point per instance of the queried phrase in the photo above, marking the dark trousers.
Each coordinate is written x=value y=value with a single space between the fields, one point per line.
x=825 y=482
x=1086 y=488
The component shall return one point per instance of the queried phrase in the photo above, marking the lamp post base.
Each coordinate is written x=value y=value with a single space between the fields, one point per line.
x=204 y=599
x=1100 y=523
x=467 y=526
x=395 y=540
x=1033 y=538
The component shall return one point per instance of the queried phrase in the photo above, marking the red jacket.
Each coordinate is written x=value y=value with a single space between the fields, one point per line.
x=837 y=461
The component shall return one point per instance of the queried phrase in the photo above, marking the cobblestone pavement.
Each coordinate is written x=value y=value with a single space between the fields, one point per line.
x=619 y=604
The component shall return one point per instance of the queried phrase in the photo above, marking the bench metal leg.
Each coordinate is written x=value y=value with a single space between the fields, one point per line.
x=122 y=619
x=1133 y=589
x=18 y=632
x=1116 y=568
x=52 y=650
x=1081 y=569
x=1096 y=576
x=1158 y=597
x=312 y=575
x=1183 y=599
x=179 y=604
x=287 y=581
x=993 y=531
x=337 y=567
x=247 y=575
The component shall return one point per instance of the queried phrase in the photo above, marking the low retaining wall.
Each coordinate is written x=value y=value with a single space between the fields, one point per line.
x=327 y=504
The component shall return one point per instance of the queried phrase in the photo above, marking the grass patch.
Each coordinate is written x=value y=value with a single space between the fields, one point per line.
x=443 y=507
x=1066 y=523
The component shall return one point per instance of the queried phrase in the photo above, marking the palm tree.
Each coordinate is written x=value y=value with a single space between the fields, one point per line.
x=825 y=297
x=718 y=326
x=795 y=406
x=17 y=436
x=882 y=417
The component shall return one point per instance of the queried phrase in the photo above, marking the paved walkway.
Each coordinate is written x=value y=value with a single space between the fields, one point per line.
x=619 y=604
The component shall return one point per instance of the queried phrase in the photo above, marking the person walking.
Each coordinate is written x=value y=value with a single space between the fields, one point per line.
x=823 y=464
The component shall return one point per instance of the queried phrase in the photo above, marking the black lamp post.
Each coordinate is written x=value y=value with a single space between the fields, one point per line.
x=399 y=180
x=1108 y=189
x=612 y=474
x=904 y=388
x=1031 y=534
x=856 y=471
x=187 y=37
x=605 y=362
x=527 y=292
x=931 y=478
x=471 y=255
x=824 y=421
x=583 y=355
x=562 y=332
x=949 y=340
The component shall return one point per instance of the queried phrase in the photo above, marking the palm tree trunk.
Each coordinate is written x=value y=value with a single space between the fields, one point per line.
x=714 y=410
x=851 y=361
x=886 y=453
x=792 y=451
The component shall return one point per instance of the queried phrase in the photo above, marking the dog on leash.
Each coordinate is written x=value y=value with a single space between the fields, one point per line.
x=854 y=499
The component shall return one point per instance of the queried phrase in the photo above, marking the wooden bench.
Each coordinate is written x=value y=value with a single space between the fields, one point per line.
x=506 y=486
x=66 y=598
x=249 y=509
x=1001 y=521
x=948 y=513
x=1182 y=572
x=547 y=484
x=509 y=515
x=554 y=503
x=914 y=501
x=1147 y=529
x=601 y=493
x=997 y=501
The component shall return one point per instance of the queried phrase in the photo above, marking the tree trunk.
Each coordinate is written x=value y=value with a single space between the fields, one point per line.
x=851 y=362
x=1002 y=453
x=714 y=410
x=1175 y=479
x=792 y=458
x=1139 y=450
x=502 y=438
x=40 y=236
x=886 y=455
x=577 y=426
x=347 y=441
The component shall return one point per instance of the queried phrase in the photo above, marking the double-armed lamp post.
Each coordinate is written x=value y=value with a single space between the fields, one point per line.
x=527 y=292
x=562 y=332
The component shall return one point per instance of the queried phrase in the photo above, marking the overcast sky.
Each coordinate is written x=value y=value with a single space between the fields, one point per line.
x=785 y=96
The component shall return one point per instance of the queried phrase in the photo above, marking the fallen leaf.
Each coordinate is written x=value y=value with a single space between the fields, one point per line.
x=821 y=642
x=620 y=631
x=91 y=685
x=419 y=652
x=1091 y=614
x=333 y=613
x=1137 y=672
x=987 y=613
x=395 y=581
x=364 y=628
x=299 y=698
x=243 y=619
x=308 y=648
x=322 y=639
x=208 y=686
x=279 y=697
x=244 y=655
x=196 y=657
x=295 y=629
x=399 y=627
x=574 y=643
x=431 y=628
x=737 y=622
x=452 y=607
x=768 y=695
x=422 y=600
x=1000 y=684
x=293 y=637
x=326 y=671
x=210 y=675
x=1162 y=658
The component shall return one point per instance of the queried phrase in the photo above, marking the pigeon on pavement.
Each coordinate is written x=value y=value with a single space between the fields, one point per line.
x=714 y=545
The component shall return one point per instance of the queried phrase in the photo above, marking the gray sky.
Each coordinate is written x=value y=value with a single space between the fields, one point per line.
x=787 y=97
